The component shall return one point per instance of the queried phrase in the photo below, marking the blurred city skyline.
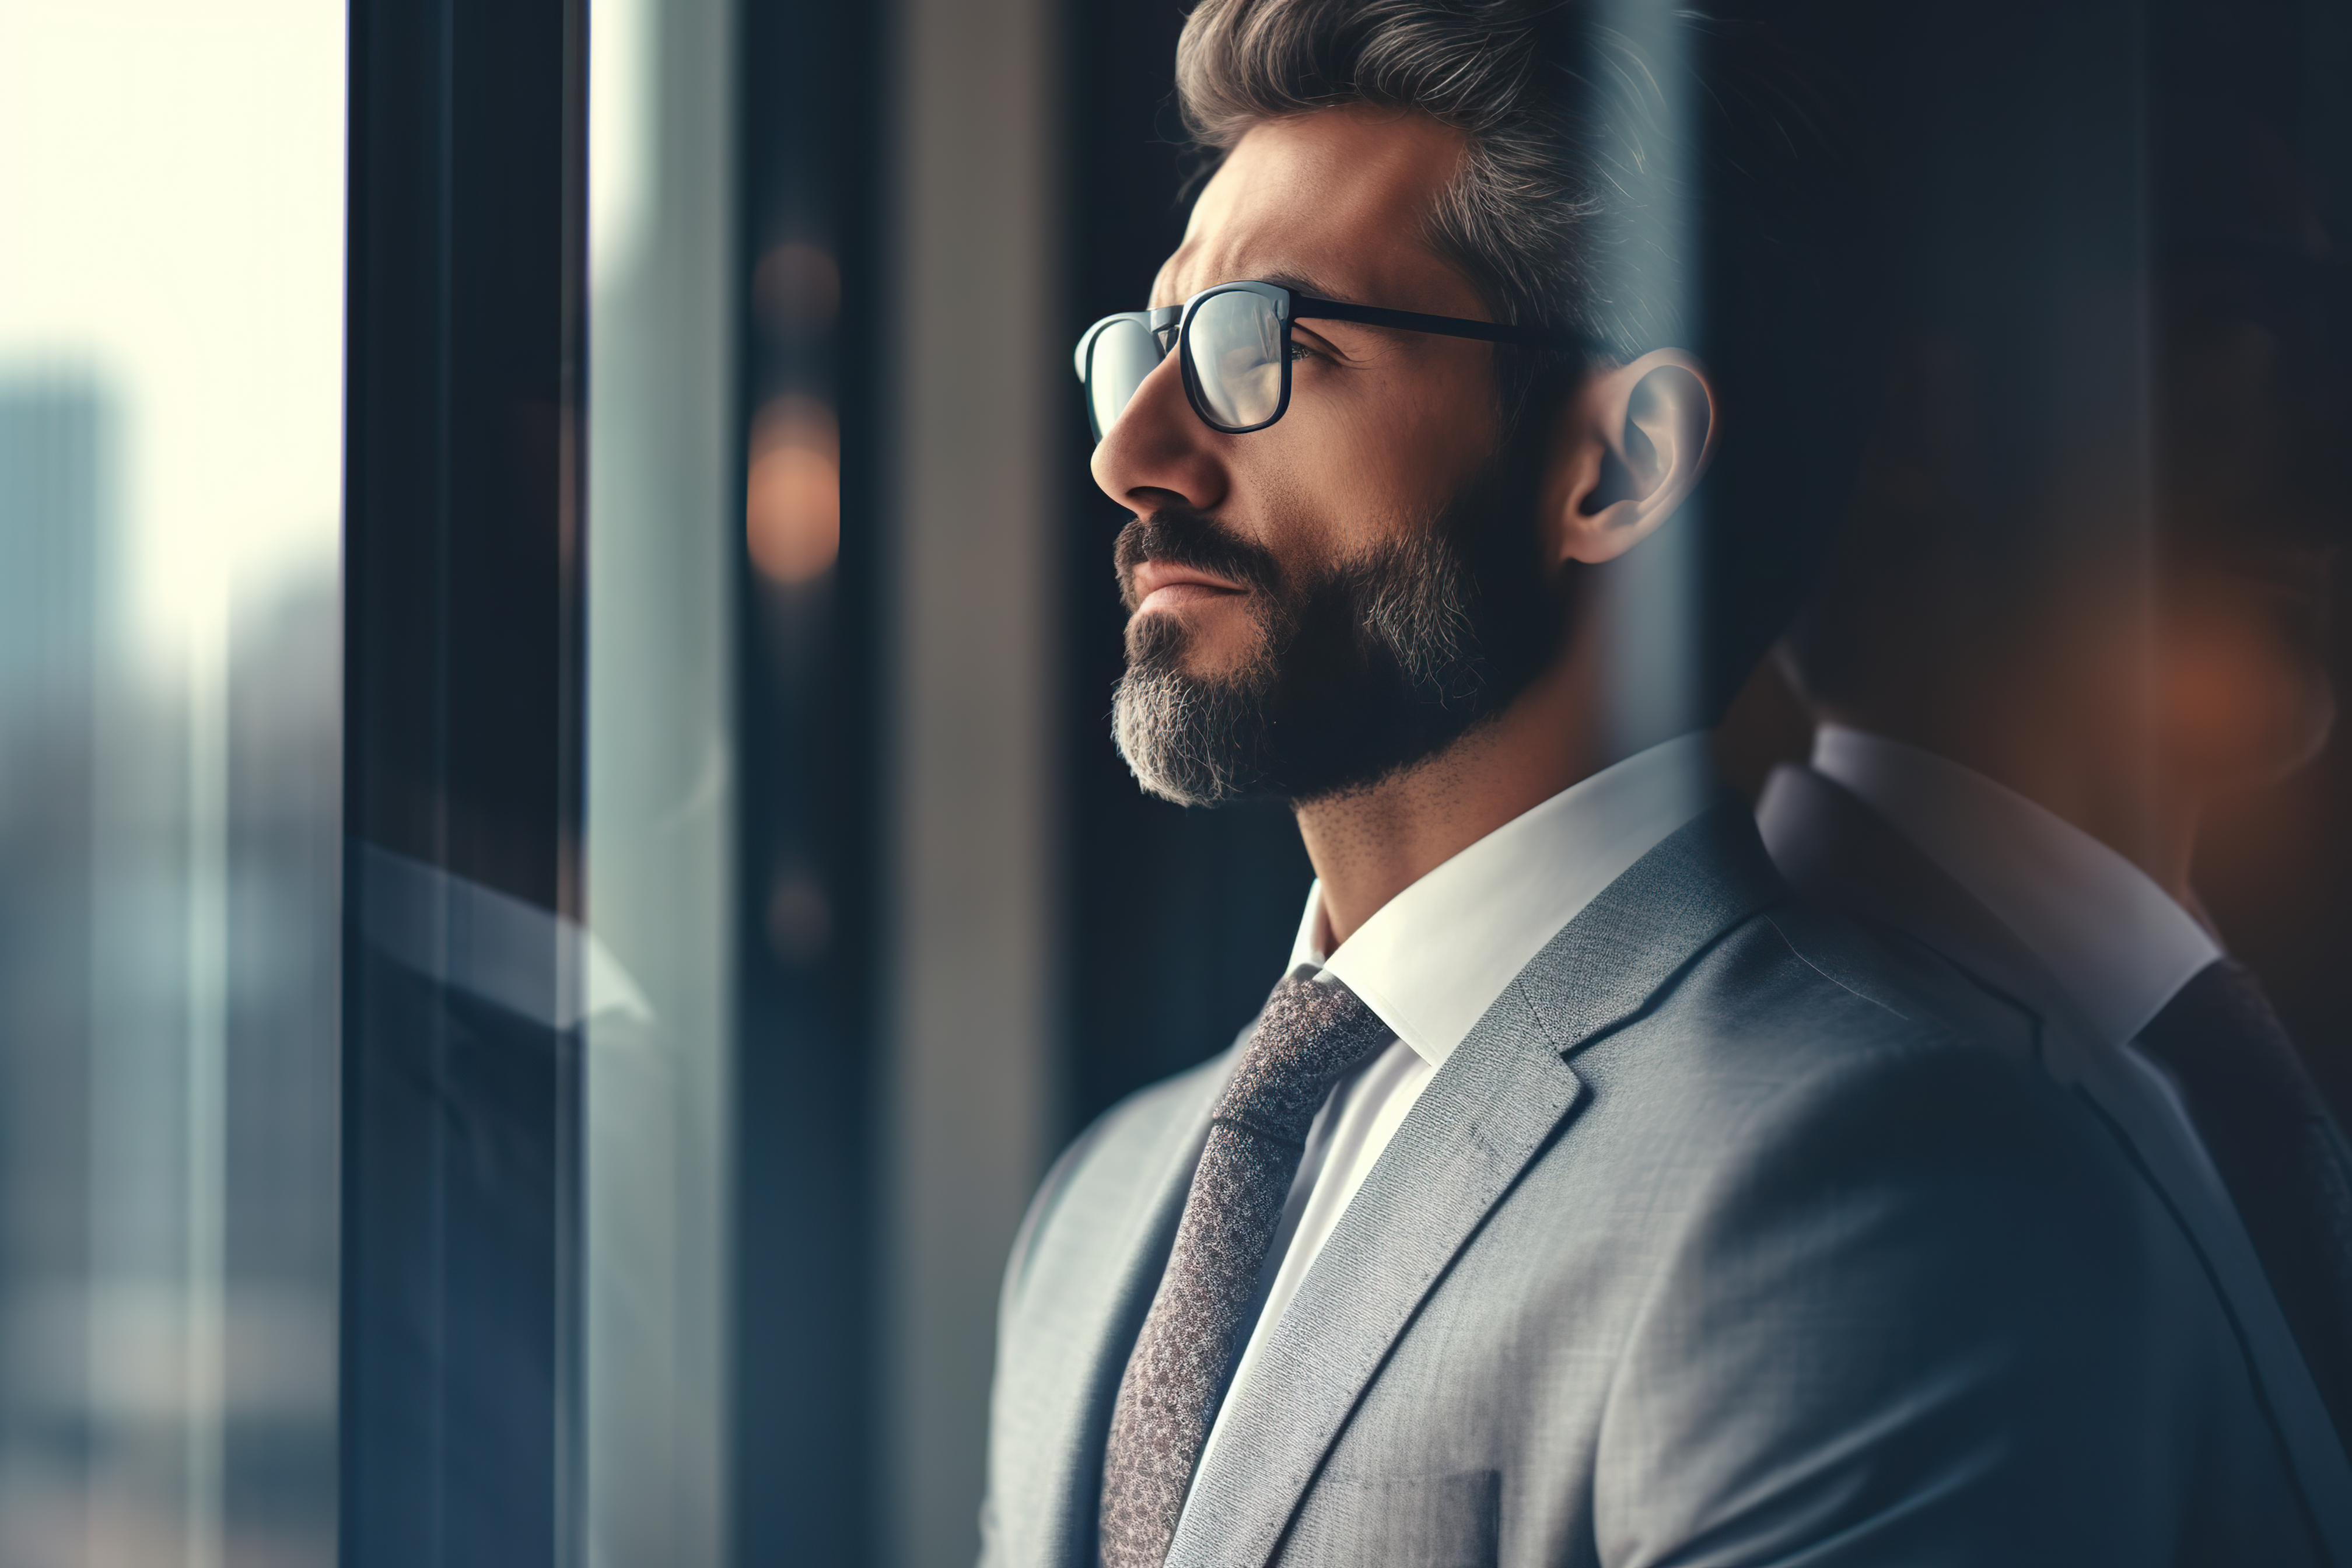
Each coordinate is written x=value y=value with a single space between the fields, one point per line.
x=171 y=350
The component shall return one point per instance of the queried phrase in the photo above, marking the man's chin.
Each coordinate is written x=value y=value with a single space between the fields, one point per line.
x=1190 y=741
x=1208 y=643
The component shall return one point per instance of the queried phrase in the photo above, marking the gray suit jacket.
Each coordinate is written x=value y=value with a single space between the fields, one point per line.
x=1970 y=966
x=1697 y=1251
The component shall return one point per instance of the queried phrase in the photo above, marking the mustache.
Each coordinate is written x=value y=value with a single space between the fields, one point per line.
x=1186 y=538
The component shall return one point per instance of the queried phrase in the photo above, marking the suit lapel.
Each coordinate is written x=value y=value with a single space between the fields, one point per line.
x=1489 y=1110
x=1834 y=847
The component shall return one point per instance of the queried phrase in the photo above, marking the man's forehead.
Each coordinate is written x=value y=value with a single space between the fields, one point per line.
x=1334 y=202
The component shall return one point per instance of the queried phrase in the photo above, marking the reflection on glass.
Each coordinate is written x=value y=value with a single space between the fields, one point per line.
x=1122 y=355
x=792 y=495
x=1236 y=343
x=660 y=755
x=171 y=215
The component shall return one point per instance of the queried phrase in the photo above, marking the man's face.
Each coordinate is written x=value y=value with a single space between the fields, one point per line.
x=1317 y=603
x=2250 y=422
x=2252 y=415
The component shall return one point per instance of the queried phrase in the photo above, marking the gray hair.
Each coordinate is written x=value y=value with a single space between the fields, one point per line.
x=1661 y=179
x=1568 y=146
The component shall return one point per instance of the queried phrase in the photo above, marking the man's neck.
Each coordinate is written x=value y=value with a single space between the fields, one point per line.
x=1370 y=845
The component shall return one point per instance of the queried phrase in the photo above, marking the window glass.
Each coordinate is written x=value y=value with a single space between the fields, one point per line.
x=660 y=785
x=171 y=333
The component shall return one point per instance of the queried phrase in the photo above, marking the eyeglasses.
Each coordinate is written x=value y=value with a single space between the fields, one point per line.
x=1235 y=343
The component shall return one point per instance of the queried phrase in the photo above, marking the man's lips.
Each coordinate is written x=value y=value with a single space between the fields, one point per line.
x=1164 y=586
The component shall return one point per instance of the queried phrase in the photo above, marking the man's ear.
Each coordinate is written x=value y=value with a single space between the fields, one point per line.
x=1630 y=447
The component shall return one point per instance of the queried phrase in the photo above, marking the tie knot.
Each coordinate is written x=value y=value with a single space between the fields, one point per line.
x=1311 y=1034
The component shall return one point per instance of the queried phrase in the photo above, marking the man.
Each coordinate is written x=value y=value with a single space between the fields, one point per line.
x=1576 y=1198
x=2029 y=705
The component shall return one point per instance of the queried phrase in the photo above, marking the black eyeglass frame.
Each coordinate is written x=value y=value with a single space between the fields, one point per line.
x=1170 y=327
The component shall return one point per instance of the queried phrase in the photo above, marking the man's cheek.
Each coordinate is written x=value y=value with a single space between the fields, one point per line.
x=1367 y=483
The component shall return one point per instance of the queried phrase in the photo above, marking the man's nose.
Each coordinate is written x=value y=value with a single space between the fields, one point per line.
x=1158 y=454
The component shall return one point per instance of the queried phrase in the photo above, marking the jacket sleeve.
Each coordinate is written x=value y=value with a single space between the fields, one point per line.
x=993 y=1554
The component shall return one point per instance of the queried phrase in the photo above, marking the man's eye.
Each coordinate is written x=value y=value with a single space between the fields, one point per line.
x=1299 y=350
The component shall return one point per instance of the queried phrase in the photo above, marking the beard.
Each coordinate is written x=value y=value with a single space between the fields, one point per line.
x=1364 y=667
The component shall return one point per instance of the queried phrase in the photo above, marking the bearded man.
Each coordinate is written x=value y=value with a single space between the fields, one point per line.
x=1577 y=1197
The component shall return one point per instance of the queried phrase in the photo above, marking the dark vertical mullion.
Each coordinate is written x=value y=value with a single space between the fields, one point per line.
x=812 y=124
x=462 y=778
x=568 y=774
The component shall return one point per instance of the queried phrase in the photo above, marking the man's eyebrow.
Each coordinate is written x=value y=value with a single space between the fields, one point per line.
x=1298 y=283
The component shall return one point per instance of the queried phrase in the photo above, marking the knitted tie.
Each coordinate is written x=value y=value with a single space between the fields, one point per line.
x=1308 y=1038
x=2281 y=1154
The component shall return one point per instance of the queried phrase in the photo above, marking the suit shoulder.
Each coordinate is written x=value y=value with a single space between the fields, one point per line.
x=1148 y=1111
x=1118 y=1150
x=1785 y=1059
x=1140 y=1128
x=1906 y=977
x=1796 y=1007
x=1800 y=987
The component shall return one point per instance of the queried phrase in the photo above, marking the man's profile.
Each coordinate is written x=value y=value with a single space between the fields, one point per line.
x=1579 y=1196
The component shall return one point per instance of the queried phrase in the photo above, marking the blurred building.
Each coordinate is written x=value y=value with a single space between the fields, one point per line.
x=167 y=1291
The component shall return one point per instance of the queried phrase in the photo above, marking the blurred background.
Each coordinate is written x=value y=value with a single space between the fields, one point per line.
x=171 y=319
x=561 y=870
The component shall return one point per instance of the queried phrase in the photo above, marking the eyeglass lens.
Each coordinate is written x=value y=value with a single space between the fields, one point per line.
x=1123 y=354
x=1235 y=349
x=1235 y=343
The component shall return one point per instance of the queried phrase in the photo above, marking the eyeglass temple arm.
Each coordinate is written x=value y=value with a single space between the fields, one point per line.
x=1303 y=306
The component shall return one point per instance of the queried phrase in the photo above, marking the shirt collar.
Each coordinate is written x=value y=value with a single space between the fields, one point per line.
x=1432 y=959
x=2120 y=945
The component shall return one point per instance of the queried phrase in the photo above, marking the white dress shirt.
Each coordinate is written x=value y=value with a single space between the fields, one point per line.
x=1431 y=960
x=2120 y=946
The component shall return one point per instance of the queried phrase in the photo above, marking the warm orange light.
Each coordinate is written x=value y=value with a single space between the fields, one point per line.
x=793 y=506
